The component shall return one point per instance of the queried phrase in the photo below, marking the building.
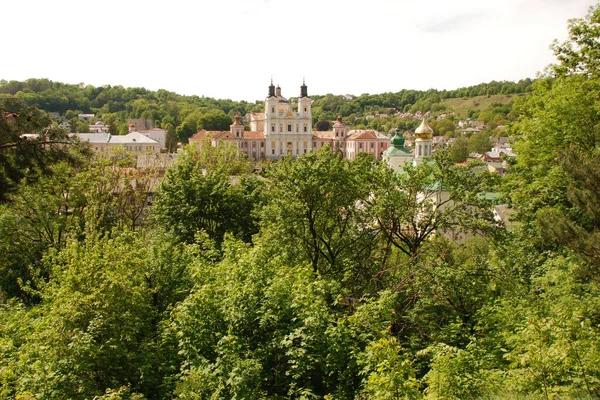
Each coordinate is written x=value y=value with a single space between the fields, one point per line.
x=134 y=142
x=85 y=117
x=99 y=127
x=158 y=134
x=424 y=141
x=282 y=130
x=397 y=155
x=141 y=124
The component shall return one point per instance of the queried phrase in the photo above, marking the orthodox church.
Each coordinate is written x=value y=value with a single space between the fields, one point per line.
x=397 y=155
x=281 y=131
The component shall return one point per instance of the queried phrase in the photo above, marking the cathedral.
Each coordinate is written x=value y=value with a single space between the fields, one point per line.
x=282 y=130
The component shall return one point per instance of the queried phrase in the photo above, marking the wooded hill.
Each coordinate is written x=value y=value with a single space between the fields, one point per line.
x=182 y=116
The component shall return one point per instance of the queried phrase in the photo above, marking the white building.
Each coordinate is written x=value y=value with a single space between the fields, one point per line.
x=98 y=127
x=287 y=131
x=134 y=142
x=281 y=131
x=158 y=134
x=397 y=155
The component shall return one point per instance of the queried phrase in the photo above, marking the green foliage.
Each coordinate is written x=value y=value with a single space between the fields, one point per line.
x=97 y=326
x=323 y=278
x=413 y=205
x=444 y=127
x=27 y=158
x=461 y=374
x=198 y=194
x=389 y=372
x=580 y=53
x=480 y=142
x=551 y=337
x=313 y=210
x=215 y=121
x=459 y=150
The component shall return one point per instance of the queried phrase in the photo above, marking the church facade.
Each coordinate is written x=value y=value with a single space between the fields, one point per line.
x=281 y=131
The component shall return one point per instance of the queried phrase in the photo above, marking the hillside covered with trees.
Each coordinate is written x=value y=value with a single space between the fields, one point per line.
x=318 y=277
x=182 y=116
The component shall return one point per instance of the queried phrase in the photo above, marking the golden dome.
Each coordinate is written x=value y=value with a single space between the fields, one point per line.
x=424 y=131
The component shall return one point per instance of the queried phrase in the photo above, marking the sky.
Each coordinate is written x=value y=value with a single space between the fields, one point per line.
x=233 y=48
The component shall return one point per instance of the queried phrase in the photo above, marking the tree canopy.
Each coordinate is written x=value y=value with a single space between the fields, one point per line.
x=310 y=277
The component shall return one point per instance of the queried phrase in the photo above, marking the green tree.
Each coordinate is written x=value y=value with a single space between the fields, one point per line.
x=431 y=198
x=323 y=125
x=480 y=142
x=38 y=217
x=444 y=127
x=214 y=121
x=198 y=194
x=580 y=53
x=24 y=157
x=459 y=150
x=313 y=209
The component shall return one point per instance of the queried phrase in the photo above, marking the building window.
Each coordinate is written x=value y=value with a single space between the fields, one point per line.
x=272 y=151
x=371 y=146
x=280 y=127
x=272 y=128
x=289 y=127
x=360 y=145
x=262 y=145
x=296 y=128
x=305 y=129
x=273 y=110
x=304 y=151
x=304 y=109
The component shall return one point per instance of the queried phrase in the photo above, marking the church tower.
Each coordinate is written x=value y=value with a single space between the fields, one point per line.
x=287 y=132
x=339 y=129
x=270 y=106
x=237 y=128
x=423 y=142
x=339 y=135
x=304 y=109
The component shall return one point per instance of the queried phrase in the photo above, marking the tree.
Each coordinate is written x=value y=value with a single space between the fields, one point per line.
x=323 y=125
x=38 y=218
x=198 y=194
x=459 y=150
x=171 y=139
x=580 y=53
x=313 y=208
x=480 y=142
x=23 y=157
x=444 y=126
x=214 y=121
x=412 y=206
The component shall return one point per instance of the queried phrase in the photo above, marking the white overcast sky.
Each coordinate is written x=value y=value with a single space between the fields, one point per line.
x=231 y=48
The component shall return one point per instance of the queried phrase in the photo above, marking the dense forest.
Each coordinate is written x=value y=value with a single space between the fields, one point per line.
x=317 y=277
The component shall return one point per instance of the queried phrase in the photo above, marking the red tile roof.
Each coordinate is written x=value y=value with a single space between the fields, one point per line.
x=366 y=135
x=323 y=134
x=254 y=135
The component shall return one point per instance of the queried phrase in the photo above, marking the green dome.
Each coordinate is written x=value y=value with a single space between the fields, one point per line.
x=397 y=141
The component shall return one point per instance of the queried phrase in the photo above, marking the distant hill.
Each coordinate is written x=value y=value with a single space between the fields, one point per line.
x=182 y=116
x=461 y=106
